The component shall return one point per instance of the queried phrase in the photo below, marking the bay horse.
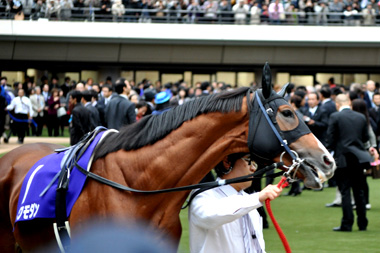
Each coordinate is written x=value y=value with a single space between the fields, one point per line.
x=176 y=148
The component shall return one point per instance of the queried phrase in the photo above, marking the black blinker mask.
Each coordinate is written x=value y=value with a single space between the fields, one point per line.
x=262 y=141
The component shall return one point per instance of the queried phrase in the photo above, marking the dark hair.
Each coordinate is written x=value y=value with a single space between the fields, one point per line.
x=290 y=88
x=205 y=85
x=87 y=95
x=359 y=105
x=232 y=158
x=184 y=89
x=297 y=100
x=326 y=92
x=300 y=93
x=301 y=88
x=376 y=93
x=120 y=80
x=77 y=95
x=336 y=91
x=94 y=94
x=168 y=86
x=141 y=104
x=353 y=95
x=119 y=87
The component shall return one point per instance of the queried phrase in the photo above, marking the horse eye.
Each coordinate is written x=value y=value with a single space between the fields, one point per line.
x=287 y=113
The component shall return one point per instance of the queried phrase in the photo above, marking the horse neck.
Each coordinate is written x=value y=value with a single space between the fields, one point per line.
x=188 y=153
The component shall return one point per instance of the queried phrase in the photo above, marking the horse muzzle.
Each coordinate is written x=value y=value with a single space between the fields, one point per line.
x=316 y=172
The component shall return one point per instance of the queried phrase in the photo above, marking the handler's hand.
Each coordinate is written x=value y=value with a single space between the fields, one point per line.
x=270 y=192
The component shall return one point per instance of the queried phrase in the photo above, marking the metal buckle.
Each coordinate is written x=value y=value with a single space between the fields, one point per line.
x=269 y=110
x=294 y=166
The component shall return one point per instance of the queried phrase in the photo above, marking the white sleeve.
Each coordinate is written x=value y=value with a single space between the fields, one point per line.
x=210 y=212
x=30 y=108
x=11 y=106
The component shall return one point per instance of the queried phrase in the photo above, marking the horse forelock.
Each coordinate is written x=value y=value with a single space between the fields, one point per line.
x=153 y=128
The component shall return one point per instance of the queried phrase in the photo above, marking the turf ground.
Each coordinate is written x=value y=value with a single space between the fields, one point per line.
x=308 y=224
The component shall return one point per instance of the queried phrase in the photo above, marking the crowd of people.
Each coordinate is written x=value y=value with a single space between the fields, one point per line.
x=321 y=12
x=26 y=107
x=347 y=121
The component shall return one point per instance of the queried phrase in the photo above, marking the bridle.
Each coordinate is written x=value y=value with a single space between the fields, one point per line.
x=296 y=160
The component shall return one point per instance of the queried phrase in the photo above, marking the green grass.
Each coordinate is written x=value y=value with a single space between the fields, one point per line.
x=307 y=224
x=66 y=132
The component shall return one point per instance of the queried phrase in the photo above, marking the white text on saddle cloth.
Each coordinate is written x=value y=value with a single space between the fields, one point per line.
x=28 y=211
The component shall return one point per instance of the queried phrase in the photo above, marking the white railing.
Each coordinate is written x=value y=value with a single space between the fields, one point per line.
x=198 y=17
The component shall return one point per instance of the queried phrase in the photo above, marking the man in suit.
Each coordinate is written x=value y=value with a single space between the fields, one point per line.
x=80 y=120
x=38 y=104
x=316 y=117
x=329 y=106
x=65 y=87
x=368 y=94
x=346 y=135
x=106 y=96
x=374 y=113
x=86 y=101
x=119 y=110
x=326 y=102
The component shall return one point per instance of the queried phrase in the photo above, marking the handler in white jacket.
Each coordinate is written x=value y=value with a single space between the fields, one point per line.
x=225 y=219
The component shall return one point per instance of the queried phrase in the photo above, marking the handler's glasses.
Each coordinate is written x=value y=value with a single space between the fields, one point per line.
x=250 y=162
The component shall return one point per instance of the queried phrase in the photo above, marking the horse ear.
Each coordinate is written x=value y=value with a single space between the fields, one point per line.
x=282 y=92
x=266 y=82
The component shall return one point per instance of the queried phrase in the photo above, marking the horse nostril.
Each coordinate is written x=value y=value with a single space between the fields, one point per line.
x=326 y=160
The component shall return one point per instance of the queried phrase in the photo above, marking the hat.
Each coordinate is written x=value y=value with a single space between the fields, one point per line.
x=162 y=97
x=149 y=94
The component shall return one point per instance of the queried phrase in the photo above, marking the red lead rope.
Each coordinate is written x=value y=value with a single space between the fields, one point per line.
x=283 y=183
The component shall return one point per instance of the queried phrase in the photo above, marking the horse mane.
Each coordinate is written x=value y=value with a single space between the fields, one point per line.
x=153 y=128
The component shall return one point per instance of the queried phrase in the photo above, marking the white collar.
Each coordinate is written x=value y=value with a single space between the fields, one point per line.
x=124 y=96
x=326 y=100
x=344 y=107
x=228 y=190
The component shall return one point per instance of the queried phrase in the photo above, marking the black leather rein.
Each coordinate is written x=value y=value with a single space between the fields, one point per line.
x=208 y=185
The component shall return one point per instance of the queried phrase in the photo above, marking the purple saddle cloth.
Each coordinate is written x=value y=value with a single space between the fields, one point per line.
x=31 y=205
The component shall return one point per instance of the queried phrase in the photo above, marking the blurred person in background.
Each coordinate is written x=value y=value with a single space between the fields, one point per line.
x=359 y=105
x=346 y=135
x=52 y=118
x=119 y=110
x=141 y=109
x=241 y=11
x=66 y=7
x=118 y=11
x=63 y=117
x=86 y=101
x=38 y=104
x=22 y=112
x=80 y=122
x=276 y=12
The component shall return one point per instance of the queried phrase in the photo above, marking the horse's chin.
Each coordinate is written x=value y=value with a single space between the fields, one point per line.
x=312 y=176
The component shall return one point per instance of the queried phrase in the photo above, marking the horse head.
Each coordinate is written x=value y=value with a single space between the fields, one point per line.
x=276 y=133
